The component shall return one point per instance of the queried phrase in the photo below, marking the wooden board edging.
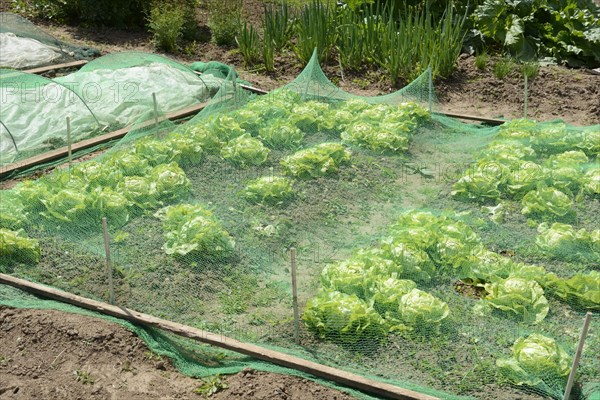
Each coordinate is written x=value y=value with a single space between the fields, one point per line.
x=491 y=121
x=41 y=70
x=322 y=371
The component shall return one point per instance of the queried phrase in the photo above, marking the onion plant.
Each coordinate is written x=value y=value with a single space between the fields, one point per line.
x=248 y=42
x=414 y=42
x=315 y=28
x=277 y=25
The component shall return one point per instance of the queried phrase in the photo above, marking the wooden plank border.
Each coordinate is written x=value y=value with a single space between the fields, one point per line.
x=41 y=70
x=322 y=371
x=491 y=121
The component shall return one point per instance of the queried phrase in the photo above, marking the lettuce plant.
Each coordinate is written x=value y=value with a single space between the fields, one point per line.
x=421 y=310
x=547 y=202
x=191 y=229
x=281 y=135
x=225 y=127
x=352 y=276
x=536 y=360
x=97 y=173
x=564 y=241
x=581 y=289
x=170 y=182
x=128 y=162
x=412 y=261
x=520 y=128
x=189 y=151
x=387 y=292
x=206 y=138
x=344 y=318
x=323 y=159
x=312 y=116
x=591 y=182
x=481 y=183
x=589 y=142
x=154 y=150
x=248 y=120
x=523 y=297
x=378 y=138
x=140 y=192
x=524 y=178
x=16 y=247
x=244 y=151
x=272 y=190
x=12 y=211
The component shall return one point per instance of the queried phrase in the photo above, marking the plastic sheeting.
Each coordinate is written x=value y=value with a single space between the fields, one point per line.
x=36 y=119
x=19 y=52
x=120 y=96
x=34 y=109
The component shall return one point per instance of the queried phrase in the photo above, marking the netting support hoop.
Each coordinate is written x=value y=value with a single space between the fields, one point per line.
x=12 y=138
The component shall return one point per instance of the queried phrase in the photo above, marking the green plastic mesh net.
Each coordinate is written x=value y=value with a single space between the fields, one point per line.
x=24 y=45
x=453 y=259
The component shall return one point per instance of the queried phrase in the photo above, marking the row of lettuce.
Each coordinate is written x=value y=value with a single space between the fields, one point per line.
x=548 y=168
x=379 y=291
x=545 y=170
x=145 y=175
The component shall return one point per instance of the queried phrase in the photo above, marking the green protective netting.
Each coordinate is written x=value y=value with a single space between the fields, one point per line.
x=189 y=357
x=108 y=93
x=432 y=254
x=24 y=45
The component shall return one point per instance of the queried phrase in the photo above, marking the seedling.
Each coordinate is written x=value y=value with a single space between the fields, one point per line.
x=210 y=386
x=84 y=377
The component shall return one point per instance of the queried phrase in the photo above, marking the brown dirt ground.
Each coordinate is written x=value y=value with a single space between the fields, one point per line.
x=557 y=92
x=48 y=354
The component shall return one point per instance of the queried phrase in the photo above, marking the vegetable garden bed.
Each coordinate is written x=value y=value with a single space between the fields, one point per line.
x=388 y=208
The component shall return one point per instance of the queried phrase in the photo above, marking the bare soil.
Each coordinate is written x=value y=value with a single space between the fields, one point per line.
x=557 y=92
x=48 y=354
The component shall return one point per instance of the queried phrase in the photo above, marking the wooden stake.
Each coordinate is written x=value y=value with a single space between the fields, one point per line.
x=155 y=110
x=295 y=296
x=586 y=325
x=108 y=264
x=285 y=360
x=69 y=142
x=526 y=94
x=430 y=89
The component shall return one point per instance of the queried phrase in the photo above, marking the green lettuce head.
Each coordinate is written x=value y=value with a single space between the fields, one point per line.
x=522 y=297
x=344 y=318
x=536 y=360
